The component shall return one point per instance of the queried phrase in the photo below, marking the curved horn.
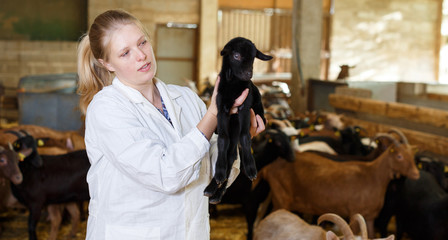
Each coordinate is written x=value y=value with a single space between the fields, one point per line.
x=338 y=221
x=359 y=219
x=400 y=134
x=395 y=141
x=18 y=134
x=24 y=132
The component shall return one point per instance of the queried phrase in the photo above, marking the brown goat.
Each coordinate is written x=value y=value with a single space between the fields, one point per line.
x=57 y=142
x=316 y=185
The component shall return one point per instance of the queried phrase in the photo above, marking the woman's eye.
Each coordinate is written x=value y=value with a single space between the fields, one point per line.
x=237 y=56
x=143 y=43
x=124 y=54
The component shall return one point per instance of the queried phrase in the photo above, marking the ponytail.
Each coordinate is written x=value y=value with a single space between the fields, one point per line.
x=93 y=76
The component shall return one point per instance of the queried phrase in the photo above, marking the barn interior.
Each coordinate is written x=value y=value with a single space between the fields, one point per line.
x=379 y=66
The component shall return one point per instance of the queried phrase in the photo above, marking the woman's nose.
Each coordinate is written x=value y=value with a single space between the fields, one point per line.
x=141 y=56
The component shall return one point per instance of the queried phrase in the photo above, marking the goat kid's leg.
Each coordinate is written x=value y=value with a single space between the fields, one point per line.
x=221 y=162
x=55 y=215
x=247 y=159
x=223 y=146
x=75 y=214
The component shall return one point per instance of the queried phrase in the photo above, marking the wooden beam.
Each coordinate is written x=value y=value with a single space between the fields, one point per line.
x=398 y=111
x=255 y=4
x=423 y=141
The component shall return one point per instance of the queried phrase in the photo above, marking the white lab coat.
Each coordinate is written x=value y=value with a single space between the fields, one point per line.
x=147 y=177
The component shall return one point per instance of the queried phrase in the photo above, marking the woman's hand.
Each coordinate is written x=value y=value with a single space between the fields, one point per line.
x=256 y=124
x=212 y=107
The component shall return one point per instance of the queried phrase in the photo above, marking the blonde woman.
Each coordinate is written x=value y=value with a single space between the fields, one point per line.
x=150 y=144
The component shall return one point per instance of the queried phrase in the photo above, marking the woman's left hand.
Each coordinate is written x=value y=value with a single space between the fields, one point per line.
x=256 y=124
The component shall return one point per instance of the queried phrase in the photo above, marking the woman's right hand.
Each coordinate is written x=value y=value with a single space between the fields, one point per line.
x=212 y=107
x=238 y=102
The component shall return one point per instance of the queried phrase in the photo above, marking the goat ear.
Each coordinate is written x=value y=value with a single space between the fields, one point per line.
x=224 y=51
x=262 y=56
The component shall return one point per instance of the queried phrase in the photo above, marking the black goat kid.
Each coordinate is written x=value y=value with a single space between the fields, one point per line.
x=236 y=73
x=48 y=179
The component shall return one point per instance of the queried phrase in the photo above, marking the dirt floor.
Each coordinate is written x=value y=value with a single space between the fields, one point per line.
x=229 y=224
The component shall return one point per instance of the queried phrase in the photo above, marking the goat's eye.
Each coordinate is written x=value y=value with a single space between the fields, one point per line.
x=237 y=56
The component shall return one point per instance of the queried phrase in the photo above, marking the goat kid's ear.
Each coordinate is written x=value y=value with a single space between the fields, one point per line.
x=225 y=51
x=262 y=56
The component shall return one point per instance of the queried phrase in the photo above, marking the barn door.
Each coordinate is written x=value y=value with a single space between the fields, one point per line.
x=176 y=53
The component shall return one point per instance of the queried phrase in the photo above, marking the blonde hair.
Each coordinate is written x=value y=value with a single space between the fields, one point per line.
x=94 y=45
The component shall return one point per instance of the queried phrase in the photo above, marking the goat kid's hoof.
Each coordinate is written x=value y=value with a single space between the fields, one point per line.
x=216 y=198
x=251 y=174
x=220 y=178
x=211 y=189
x=214 y=201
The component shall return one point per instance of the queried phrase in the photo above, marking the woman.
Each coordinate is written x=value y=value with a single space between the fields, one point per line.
x=150 y=144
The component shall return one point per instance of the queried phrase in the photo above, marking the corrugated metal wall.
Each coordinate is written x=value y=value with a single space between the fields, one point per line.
x=270 y=31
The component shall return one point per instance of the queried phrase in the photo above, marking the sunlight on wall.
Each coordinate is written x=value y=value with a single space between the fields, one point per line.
x=443 y=61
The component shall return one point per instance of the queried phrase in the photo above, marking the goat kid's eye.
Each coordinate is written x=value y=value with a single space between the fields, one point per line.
x=237 y=56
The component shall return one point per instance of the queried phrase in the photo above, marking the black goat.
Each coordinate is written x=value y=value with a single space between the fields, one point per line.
x=236 y=73
x=421 y=208
x=431 y=172
x=348 y=143
x=48 y=179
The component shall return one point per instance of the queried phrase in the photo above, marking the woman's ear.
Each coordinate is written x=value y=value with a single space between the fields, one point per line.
x=106 y=65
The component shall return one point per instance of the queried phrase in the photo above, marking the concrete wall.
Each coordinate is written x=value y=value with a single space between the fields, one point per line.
x=387 y=40
x=22 y=58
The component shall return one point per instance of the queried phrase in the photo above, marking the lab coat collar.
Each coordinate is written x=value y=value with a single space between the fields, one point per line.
x=168 y=96
x=136 y=97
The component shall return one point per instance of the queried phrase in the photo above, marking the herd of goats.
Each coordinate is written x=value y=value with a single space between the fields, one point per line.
x=317 y=179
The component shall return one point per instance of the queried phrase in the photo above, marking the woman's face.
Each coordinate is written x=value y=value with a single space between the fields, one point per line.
x=131 y=57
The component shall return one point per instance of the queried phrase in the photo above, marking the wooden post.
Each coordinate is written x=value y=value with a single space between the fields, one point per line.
x=306 y=49
x=208 y=41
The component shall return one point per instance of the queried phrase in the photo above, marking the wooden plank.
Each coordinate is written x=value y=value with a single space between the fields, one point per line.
x=354 y=92
x=255 y=4
x=407 y=112
x=438 y=97
x=423 y=141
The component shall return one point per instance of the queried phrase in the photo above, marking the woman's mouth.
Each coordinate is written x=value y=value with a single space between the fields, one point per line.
x=145 y=67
